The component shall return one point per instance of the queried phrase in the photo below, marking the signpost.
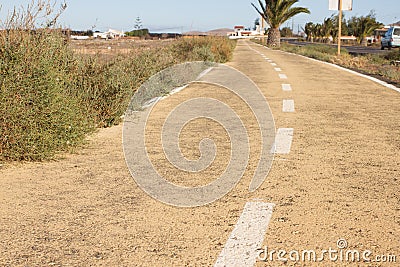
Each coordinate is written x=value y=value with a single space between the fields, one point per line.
x=340 y=5
x=347 y=5
x=340 y=26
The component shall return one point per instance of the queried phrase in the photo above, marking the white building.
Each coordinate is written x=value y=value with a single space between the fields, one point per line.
x=110 y=34
x=78 y=37
x=240 y=32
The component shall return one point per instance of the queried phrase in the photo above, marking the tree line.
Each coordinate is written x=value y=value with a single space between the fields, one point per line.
x=328 y=31
x=276 y=12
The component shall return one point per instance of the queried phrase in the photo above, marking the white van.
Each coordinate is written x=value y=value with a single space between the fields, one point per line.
x=391 y=38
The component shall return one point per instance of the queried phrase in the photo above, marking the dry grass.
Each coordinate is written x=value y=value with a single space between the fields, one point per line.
x=379 y=66
x=114 y=47
x=54 y=92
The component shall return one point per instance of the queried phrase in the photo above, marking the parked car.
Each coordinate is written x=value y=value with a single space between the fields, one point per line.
x=391 y=38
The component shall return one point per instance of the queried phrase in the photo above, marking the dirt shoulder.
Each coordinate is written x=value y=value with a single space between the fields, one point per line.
x=339 y=181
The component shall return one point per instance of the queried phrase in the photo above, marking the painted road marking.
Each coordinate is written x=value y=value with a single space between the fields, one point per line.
x=273 y=64
x=278 y=69
x=283 y=141
x=282 y=76
x=286 y=87
x=247 y=237
x=288 y=105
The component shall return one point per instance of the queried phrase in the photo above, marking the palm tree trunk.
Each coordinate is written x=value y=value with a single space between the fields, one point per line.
x=364 y=41
x=274 y=38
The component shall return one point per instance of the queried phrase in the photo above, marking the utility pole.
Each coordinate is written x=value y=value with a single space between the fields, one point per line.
x=292 y=25
x=340 y=5
x=340 y=25
x=262 y=25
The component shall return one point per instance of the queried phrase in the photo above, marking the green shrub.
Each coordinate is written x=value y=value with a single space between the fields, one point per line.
x=216 y=49
x=38 y=117
x=138 y=33
x=104 y=89
x=51 y=98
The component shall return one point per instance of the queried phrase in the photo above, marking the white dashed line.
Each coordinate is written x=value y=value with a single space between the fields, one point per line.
x=283 y=141
x=286 y=87
x=288 y=105
x=247 y=236
x=282 y=145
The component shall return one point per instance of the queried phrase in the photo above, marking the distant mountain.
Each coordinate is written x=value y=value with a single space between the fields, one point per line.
x=220 y=32
x=194 y=33
x=397 y=23
x=216 y=32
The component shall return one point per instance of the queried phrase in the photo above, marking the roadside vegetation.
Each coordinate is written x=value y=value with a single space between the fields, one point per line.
x=276 y=12
x=383 y=67
x=327 y=32
x=51 y=98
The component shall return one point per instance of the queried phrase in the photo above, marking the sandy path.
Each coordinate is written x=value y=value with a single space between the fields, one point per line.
x=339 y=181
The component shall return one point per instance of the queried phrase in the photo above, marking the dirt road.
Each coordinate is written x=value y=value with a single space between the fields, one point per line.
x=340 y=180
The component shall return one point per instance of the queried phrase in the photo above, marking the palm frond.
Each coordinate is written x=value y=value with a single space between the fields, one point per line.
x=275 y=13
x=293 y=12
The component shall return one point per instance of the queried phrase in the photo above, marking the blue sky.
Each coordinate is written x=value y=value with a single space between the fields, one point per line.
x=179 y=15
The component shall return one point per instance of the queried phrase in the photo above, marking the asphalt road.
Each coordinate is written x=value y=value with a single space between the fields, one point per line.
x=358 y=50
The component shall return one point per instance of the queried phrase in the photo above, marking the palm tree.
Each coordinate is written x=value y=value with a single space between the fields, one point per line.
x=275 y=13
x=309 y=31
x=335 y=30
x=364 y=26
x=318 y=32
x=327 y=29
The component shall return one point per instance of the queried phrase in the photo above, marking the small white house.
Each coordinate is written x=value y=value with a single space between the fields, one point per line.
x=240 y=32
x=110 y=34
x=78 y=37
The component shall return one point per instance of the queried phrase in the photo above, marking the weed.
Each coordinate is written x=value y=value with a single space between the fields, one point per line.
x=376 y=65
x=51 y=97
x=393 y=55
